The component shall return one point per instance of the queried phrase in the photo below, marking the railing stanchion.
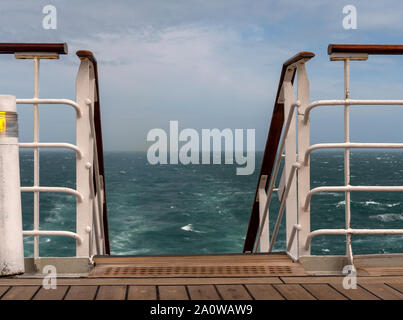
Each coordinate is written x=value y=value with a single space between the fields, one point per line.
x=84 y=223
x=36 y=157
x=11 y=242
x=304 y=172
x=290 y=159
x=349 y=252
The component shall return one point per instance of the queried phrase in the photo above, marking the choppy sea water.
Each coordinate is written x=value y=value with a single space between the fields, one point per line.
x=190 y=209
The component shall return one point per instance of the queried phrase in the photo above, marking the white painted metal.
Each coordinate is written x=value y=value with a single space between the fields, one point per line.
x=350 y=56
x=350 y=145
x=84 y=209
x=351 y=189
x=304 y=172
x=52 y=101
x=53 y=233
x=350 y=232
x=11 y=241
x=290 y=195
x=347 y=206
x=294 y=168
x=279 y=156
x=36 y=157
x=351 y=102
x=89 y=215
x=98 y=199
x=299 y=229
x=73 y=192
x=53 y=146
x=295 y=228
x=264 y=239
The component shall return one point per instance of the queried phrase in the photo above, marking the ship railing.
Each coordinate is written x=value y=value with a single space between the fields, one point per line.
x=281 y=127
x=91 y=233
x=294 y=147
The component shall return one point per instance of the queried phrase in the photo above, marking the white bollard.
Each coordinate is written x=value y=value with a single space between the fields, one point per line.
x=11 y=239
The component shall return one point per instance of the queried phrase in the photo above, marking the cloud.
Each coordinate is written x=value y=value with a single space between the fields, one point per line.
x=205 y=63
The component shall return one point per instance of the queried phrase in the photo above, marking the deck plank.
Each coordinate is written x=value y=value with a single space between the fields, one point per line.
x=173 y=293
x=141 y=281
x=81 y=293
x=396 y=286
x=294 y=292
x=142 y=293
x=233 y=292
x=354 y=294
x=339 y=279
x=203 y=292
x=51 y=294
x=383 y=291
x=111 y=293
x=21 y=293
x=323 y=292
x=3 y=289
x=264 y=292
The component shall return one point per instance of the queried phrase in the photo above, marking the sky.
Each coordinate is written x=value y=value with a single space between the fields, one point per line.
x=207 y=64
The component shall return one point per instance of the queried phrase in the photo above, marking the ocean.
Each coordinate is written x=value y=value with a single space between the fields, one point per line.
x=202 y=209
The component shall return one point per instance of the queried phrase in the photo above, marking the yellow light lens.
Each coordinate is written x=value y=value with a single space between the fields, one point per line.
x=3 y=122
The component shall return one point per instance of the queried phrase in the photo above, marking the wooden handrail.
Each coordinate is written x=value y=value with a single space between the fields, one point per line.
x=11 y=48
x=86 y=54
x=270 y=151
x=365 y=48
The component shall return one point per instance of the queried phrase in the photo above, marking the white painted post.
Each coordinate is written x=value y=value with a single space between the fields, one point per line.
x=290 y=159
x=84 y=91
x=304 y=183
x=11 y=238
x=265 y=234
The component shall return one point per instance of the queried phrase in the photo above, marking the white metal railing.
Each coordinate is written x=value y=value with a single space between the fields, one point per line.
x=296 y=177
x=89 y=234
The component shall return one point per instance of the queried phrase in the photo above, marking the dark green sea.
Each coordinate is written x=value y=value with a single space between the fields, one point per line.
x=190 y=209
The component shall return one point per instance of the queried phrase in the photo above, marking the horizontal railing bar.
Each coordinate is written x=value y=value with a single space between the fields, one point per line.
x=61 y=145
x=350 y=231
x=386 y=49
x=10 y=48
x=351 y=189
x=53 y=233
x=54 y=189
x=351 y=102
x=52 y=101
x=352 y=145
x=276 y=168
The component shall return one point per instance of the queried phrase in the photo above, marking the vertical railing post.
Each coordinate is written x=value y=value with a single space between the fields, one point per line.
x=36 y=157
x=304 y=172
x=290 y=159
x=11 y=239
x=349 y=252
x=84 y=91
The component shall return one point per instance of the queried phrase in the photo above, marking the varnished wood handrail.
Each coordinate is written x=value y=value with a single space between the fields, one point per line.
x=272 y=144
x=386 y=49
x=11 y=48
x=86 y=54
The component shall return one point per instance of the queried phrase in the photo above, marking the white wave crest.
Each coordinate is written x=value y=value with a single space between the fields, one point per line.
x=388 y=217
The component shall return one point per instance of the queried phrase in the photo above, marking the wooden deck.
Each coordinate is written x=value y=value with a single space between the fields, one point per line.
x=225 y=277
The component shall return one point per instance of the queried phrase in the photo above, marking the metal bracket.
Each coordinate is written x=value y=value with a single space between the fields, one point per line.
x=39 y=55
x=348 y=56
